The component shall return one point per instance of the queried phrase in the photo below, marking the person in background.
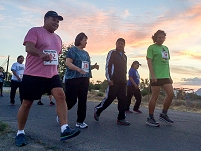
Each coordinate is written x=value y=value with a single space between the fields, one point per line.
x=133 y=88
x=158 y=57
x=18 y=70
x=78 y=73
x=2 y=77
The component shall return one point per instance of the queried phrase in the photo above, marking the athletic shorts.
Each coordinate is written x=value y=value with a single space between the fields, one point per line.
x=161 y=82
x=32 y=87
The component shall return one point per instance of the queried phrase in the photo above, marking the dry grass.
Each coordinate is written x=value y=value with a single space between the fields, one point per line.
x=179 y=105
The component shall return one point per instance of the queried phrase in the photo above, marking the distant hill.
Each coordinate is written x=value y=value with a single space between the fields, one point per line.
x=198 y=92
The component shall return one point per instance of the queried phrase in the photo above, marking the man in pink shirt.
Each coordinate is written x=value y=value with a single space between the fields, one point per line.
x=41 y=75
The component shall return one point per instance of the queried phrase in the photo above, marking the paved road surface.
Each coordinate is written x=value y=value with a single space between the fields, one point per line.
x=106 y=135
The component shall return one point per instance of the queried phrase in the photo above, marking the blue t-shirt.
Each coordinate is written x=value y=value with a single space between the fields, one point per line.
x=135 y=75
x=80 y=59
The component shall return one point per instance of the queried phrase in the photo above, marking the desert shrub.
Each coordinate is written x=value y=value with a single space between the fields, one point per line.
x=100 y=94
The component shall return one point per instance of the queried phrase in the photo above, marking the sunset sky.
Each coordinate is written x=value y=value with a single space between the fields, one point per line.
x=104 y=22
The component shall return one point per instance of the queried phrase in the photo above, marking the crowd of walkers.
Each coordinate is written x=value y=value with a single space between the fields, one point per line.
x=39 y=76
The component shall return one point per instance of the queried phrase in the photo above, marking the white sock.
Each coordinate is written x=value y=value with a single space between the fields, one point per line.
x=20 y=132
x=63 y=127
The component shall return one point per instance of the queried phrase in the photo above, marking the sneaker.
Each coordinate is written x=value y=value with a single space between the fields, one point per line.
x=165 y=118
x=123 y=122
x=69 y=133
x=20 y=140
x=152 y=122
x=40 y=103
x=137 y=111
x=57 y=119
x=129 y=112
x=52 y=103
x=81 y=125
x=96 y=116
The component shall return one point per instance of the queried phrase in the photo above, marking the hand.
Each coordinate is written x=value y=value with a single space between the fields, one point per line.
x=110 y=83
x=171 y=80
x=136 y=86
x=96 y=66
x=154 y=79
x=45 y=57
x=81 y=71
x=19 y=79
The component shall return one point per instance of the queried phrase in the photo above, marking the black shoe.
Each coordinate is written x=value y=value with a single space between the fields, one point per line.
x=123 y=122
x=40 y=103
x=165 y=118
x=52 y=103
x=20 y=140
x=96 y=116
x=69 y=133
x=152 y=122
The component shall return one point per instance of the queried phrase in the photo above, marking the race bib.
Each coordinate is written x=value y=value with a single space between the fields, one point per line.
x=54 y=57
x=165 y=55
x=85 y=66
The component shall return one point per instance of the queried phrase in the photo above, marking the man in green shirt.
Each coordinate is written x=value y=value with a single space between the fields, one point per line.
x=158 y=62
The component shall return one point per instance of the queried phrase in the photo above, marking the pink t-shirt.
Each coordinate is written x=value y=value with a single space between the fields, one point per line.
x=43 y=40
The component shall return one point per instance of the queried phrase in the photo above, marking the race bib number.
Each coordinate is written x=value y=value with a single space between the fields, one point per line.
x=165 y=55
x=54 y=57
x=85 y=66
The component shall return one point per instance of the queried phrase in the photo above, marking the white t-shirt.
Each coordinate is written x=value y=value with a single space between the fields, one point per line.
x=19 y=69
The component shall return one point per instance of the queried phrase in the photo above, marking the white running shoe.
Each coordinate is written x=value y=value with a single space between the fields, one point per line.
x=57 y=119
x=81 y=125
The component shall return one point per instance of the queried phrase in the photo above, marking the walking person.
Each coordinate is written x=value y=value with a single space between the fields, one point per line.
x=78 y=72
x=2 y=77
x=158 y=62
x=133 y=88
x=116 y=69
x=41 y=75
x=17 y=69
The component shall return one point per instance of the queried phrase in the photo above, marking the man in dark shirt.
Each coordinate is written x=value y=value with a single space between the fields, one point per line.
x=116 y=69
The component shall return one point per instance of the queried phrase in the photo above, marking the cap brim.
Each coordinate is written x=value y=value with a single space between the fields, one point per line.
x=60 y=18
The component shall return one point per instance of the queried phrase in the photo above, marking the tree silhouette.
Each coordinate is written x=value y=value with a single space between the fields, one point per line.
x=62 y=60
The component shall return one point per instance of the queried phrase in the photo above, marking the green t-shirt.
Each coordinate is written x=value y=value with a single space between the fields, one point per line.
x=160 y=60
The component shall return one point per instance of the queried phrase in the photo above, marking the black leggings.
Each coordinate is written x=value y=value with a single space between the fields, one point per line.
x=77 y=89
x=1 y=87
x=132 y=91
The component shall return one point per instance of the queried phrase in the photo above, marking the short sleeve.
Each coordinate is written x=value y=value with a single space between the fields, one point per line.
x=31 y=36
x=13 y=67
x=131 y=73
x=150 y=52
x=71 y=53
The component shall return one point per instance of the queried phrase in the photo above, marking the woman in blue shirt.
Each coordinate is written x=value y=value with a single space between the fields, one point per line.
x=78 y=72
x=133 y=88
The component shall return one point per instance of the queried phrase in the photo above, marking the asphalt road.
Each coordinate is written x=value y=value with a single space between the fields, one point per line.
x=106 y=135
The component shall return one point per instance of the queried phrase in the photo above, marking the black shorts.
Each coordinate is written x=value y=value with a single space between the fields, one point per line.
x=32 y=87
x=161 y=82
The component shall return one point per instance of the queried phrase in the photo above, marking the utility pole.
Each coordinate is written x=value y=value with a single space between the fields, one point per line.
x=7 y=68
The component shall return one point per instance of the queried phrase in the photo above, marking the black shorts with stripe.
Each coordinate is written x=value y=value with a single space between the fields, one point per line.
x=32 y=87
x=161 y=82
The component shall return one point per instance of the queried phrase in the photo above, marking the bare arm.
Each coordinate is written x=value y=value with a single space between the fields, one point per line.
x=31 y=49
x=133 y=82
x=149 y=62
x=16 y=75
x=73 y=67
